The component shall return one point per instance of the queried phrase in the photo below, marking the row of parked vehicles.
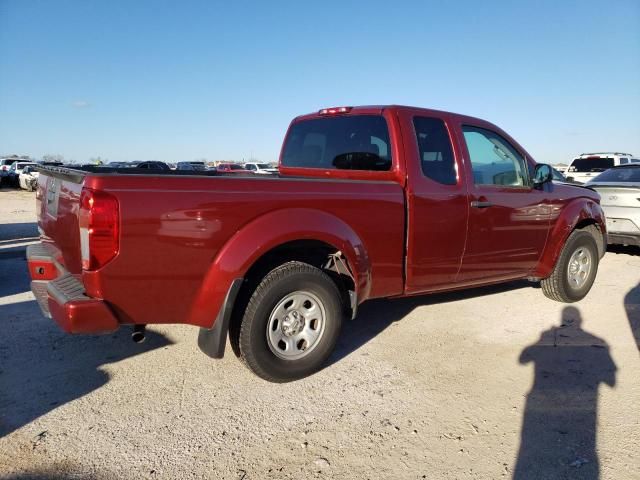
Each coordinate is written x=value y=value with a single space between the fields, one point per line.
x=23 y=174
x=251 y=167
x=616 y=177
x=619 y=189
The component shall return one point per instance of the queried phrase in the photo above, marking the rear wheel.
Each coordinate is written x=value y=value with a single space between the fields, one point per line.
x=291 y=323
x=575 y=270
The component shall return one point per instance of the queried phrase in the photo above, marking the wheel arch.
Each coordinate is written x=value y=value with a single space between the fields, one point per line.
x=279 y=236
x=581 y=213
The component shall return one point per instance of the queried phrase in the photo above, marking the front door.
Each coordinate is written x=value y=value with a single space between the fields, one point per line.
x=508 y=218
x=437 y=204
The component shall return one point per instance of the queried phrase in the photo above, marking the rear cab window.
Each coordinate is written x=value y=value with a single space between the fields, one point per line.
x=350 y=142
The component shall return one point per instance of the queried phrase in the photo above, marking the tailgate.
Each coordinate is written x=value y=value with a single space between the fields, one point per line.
x=58 y=201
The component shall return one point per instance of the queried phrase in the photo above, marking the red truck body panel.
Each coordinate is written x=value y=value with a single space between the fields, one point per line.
x=183 y=240
x=179 y=253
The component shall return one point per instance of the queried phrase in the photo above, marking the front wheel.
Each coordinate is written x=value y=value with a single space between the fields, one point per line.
x=291 y=323
x=575 y=270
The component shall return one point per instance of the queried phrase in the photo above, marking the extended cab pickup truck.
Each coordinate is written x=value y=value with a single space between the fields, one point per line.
x=370 y=202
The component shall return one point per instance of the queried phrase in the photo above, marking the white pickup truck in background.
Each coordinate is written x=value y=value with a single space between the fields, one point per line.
x=589 y=165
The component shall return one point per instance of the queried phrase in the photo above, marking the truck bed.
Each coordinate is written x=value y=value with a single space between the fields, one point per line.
x=173 y=226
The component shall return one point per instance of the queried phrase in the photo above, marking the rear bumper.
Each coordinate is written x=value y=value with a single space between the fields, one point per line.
x=61 y=295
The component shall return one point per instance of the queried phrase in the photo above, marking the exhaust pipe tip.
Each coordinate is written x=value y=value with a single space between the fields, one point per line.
x=138 y=333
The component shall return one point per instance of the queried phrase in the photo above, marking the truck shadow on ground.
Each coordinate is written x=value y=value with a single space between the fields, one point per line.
x=558 y=438
x=624 y=249
x=42 y=368
x=376 y=315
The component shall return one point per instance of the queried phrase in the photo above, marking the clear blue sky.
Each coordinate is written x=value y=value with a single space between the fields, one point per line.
x=180 y=80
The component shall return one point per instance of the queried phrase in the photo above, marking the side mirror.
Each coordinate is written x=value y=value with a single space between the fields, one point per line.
x=542 y=175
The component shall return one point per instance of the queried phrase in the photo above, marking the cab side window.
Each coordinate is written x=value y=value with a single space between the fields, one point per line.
x=434 y=147
x=493 y=160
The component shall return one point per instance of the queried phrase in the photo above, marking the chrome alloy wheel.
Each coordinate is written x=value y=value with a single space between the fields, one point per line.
x=579 y=267
x=296 y=325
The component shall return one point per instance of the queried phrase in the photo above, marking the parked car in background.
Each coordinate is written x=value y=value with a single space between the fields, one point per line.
x=260 y=168
x=5 y=165
x=15 y=170
x=197 y=166
x=619 y=189
x=153 y=165
x=589 y=165
x=371 y=202
x=231 y=168
x=117 y=165
x=28 y=178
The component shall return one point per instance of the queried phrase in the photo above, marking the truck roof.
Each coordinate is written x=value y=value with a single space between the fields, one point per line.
x=378 y=109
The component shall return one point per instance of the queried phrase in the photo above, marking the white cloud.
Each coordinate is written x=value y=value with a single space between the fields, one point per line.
x=80 y=104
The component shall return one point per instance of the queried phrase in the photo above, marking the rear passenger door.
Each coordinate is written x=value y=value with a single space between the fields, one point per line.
x=437 y=202
x=508 y=218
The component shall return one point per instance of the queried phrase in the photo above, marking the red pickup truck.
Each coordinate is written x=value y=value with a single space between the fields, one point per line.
x=370 y=202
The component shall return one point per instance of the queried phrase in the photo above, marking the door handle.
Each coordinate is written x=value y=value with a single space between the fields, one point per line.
x=478 y=204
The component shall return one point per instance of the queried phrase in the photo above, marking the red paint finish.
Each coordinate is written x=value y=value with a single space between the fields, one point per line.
x=182 y=240
x=437 y=214
x=92 y=316
x=179 y=254
x=566 y=212
x=42 y=270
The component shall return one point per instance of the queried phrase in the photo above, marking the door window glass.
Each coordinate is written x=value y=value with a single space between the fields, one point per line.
x=493 y=160
x=434 y=147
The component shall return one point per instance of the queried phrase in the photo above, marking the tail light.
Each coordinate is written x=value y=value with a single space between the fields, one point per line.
x=99 y=220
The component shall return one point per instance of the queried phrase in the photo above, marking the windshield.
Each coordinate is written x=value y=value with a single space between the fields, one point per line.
x=358 y=142
x=619 y=175
x=592 y=164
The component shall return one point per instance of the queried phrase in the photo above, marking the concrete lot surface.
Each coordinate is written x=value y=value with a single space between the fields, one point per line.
x=491 y=383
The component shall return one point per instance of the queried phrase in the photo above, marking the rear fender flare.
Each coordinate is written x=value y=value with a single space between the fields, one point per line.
x=578 y=211
x=267 y=232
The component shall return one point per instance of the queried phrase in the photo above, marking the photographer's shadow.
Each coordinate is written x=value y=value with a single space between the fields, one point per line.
x=560 y=419
x=632 y=307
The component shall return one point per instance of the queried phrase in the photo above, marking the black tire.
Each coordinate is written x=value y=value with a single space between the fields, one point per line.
x=288 y=279
x=558 y=286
